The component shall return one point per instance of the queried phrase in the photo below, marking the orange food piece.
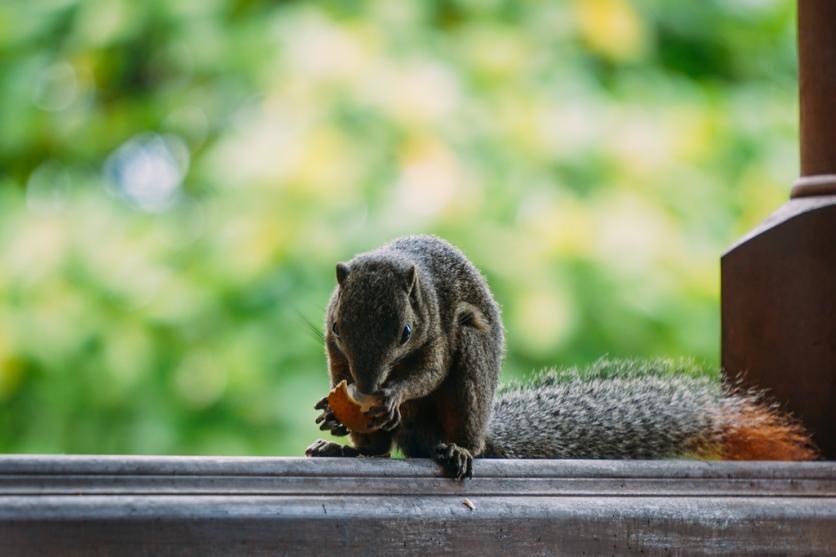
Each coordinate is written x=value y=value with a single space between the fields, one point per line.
x=348 y=406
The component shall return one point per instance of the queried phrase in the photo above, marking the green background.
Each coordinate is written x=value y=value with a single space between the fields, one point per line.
x=178 y=179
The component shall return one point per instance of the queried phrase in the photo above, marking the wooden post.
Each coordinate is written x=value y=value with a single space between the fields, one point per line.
x=779 y=281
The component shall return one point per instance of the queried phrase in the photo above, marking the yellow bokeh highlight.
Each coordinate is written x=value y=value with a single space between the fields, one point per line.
x=562 y=226
x=432 y=183
x=693 y=134
x=11 y=370
x=544 y=317
x=762 y=195
x=611 y=28
x=199 y=380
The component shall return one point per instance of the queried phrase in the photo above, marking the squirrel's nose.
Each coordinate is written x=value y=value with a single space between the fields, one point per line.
x=366 y=386
x=368 y=376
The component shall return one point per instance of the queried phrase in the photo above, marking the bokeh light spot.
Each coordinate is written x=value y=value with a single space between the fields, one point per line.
x=148 y=170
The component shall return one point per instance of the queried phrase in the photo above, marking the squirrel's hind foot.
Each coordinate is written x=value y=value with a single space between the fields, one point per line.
x=321 y=447
x=457 y=461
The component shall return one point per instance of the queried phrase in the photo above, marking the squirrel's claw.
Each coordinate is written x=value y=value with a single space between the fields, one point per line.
x=332 y=425
x=457 y=461
x=339 y=431
x=386 y=422
x=328 y=422
x=389 y=399
x=387 y=415
x=321 y=447
x=322 y=404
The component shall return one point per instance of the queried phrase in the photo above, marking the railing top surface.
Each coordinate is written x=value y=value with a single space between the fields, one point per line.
x=417 y=468
x=393 y=467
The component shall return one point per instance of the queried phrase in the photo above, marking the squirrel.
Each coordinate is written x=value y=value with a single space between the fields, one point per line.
x=415 y=324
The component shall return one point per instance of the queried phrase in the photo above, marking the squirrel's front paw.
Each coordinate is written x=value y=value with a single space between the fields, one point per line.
x=321 y=447
x=387 y=415
x=457 y=461
x=328 y=421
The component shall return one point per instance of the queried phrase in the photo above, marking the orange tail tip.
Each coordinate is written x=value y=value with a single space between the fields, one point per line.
x=758 y=432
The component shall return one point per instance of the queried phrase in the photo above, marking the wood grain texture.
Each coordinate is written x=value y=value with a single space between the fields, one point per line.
x=778 y=299
x=817 y=86
x=256 y=506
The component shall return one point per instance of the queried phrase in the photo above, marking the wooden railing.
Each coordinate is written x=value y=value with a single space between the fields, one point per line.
x=62 y=505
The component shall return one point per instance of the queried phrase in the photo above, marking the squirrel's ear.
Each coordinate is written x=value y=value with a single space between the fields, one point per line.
x=342 y=273
x=471 y=316
x=411 y=279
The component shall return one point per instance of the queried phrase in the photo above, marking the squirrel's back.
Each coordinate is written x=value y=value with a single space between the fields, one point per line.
x=453 y=278
x=446 y=266
x=640 y=409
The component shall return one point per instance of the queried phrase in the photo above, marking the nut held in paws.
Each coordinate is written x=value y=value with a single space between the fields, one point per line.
x=348 y=406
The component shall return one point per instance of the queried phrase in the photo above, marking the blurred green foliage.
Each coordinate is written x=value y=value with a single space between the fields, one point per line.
x=178 y=179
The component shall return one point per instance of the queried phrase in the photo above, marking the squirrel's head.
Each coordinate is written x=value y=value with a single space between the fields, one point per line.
x=376 y=318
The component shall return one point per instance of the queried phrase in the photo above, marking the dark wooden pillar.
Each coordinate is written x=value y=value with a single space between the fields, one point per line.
x=779 y=281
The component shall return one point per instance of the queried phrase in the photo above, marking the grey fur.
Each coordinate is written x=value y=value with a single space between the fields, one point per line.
x=438 y=387
x=615 y=409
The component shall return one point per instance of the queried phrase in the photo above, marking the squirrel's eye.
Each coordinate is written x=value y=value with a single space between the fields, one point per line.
x=407 y=332
x=334 y=329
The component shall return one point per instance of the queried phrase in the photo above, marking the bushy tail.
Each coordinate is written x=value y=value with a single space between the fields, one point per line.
x=759 y=431
x=640 y=409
